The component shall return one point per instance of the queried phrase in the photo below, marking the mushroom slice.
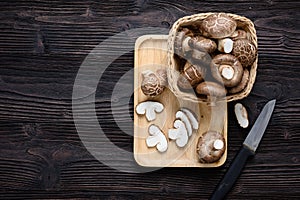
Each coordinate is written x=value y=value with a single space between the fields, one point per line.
x=179 y=133
x=182 y=116
x=222 y=66
x=241 y=115
x=191 y=117
x=150 y=108
x=157 y=138
x=218 y=25
x=210 y=147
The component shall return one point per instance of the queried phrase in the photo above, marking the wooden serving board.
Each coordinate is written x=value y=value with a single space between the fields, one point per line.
x=151 y=53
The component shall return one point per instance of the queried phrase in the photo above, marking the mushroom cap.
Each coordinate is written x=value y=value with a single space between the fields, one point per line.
x=245 y=51
x=211 y=89
x=183 y=82
x=187 y=32
x=226 y=59
x=218 y=25
x=238 y=34
x=153 y=84
x=178 y=43
x=194 y=73
x=211 y=146
x=242 y=84
x=203 y=44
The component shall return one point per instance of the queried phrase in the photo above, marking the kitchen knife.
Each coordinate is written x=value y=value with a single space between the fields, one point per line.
x=248 y=149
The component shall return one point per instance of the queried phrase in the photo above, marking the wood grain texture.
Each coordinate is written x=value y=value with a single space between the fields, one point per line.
x=151 y=54
x=42 y=45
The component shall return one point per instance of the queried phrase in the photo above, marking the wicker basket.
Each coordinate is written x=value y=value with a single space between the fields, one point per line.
x=173 y=69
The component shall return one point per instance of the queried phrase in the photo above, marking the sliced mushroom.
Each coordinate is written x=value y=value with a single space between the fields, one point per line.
x=226 y=69
x=157 y=138
x=241 y=115
x=191 y=76
x=242 y=84
x=245 y=51
x=183 y=117
x=211 y=146
x=218 y=26
x=193 y=119
x=150 y=108
x=153 y=84
x=202 y=44
x=179 y=134
x=211 y=89
x=225 y=45
x=238 y=34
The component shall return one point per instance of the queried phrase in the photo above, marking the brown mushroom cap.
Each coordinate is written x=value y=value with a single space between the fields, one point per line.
x=187 y=32
x=218 y=26
x=211 y=89
x=239 y=34
x=194 y=74
x=207 y=153
x=183 y=82
x=202 y=44
x=162 y=76
x=242 y=84
x=229 y=60
x=153 y=84
x=245 y=51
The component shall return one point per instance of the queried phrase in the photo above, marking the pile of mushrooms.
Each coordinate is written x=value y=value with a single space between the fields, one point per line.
x=217 y=56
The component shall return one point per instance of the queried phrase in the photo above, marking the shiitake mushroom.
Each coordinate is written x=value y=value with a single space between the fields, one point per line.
x=211 y=146
x=228 y=69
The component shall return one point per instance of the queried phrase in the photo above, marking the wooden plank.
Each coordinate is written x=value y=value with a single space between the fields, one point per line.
x=151 y=54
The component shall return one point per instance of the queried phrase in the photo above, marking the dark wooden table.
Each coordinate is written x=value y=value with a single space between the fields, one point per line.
x=42 y=45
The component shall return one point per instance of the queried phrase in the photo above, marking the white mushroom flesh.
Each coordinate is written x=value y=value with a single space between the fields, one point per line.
x=227 y=72
x=218 y=144
x=185 y=44
x=179 y=134
x=225 y=45
x=192 y=118
x=150 y=108
x=157 y=138
x=183 y=117
x=241 y=115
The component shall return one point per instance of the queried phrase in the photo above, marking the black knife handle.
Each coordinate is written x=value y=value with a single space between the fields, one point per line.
x=232 y=174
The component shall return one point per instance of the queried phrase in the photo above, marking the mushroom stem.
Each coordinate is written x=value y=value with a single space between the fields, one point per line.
x=218 y=144
x=226 y=71
x=225 y=45
x=185 y=44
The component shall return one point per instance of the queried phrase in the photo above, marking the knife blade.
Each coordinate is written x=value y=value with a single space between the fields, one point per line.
x=248 y=149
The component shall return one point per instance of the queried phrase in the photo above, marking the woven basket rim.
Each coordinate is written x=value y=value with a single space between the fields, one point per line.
x=173 y=73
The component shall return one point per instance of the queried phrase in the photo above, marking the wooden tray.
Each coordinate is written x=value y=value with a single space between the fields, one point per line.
x=151 y=53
